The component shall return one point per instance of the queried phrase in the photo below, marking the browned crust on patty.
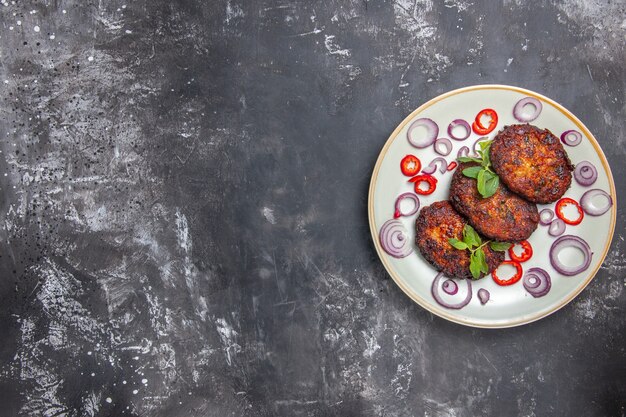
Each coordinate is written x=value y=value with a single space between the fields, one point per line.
x=504 y=216
x=531 y=162
x=434 y=226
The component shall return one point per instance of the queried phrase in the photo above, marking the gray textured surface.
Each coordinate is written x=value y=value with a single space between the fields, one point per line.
x=183 y=208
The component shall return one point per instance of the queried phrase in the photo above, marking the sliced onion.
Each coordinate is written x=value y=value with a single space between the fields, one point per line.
x=476 y=146
x=483 y=296
x=432 y=130
x=432 y=167
x=459 y=122
x=518 y=110
x=537 y=282
x=464 y=151
x=394 y=239
x=586 y=202
x=585 y=173
x=557 y=227
x=570 y=241
x=450 y=287
x=410 y=196
x=437 y=296
x=571 y=137
x=545 y=216
x=447 y=146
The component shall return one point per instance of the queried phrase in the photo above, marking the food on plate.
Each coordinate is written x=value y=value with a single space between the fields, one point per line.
x=478 y=125
x=537 y=282
x=435 y=226
x=531 y=162
x=419 y=180
x=521 y=256
x=487 y=181
x=503 y=282
x=559 y=209
x=504 y=216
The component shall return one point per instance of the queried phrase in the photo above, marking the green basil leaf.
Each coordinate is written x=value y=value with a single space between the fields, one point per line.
x=468 y=159
x=457 y=244
x=482 y=262
x=474 y=266
x=491 y=185
x=486 y=158
x=471 y=237
x=499 y=246
x=472 y=172
x=485 y=144
x=481 y=182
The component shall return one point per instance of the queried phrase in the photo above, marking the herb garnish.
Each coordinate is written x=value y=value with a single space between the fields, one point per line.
x=472 y=242
x=487 y=180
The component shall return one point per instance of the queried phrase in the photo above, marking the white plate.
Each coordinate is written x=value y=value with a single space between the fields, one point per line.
x=512 y=305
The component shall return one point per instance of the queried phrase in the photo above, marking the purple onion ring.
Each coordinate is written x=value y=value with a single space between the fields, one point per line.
x=463 y=124
x=518 y=110
x=410 y=196
x=476 y=145
x=570 y=241
x=545 y=216
x=585 y=173
x=566 y=137
x=464 y=151
x=557 y=227
x=437 y=296
x=447 y=145
x=432 y=167
x=432 y=130
x=537 y=282
x=586 y=202
x=483 y=296
x=394 y=239
x=450 y=287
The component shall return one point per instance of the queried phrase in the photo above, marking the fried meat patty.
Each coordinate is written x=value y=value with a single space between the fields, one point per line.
x=434 y=226
x=504 y=216
x=531 y=162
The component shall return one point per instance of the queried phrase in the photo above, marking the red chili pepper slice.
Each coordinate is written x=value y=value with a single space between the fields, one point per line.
x=561 y=204
x=513 y=279
x=432 y=183
x=527 y=252
x=410 y=165
x=451 y=165
x=478 y=124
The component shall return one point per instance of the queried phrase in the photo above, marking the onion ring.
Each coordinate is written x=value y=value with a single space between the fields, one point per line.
x=586 y=202
x=432 y=167
x=537 y=282
x=410 y=196
x=437 y=296
x=394 y=239
x=446 y=143
x=566 y=137
x=585 y=173
x=464 y=151
x=570 y=241
x=557 y=227
x=432 y=130
x=518 y=110
x=545 y=216
x=463 y=124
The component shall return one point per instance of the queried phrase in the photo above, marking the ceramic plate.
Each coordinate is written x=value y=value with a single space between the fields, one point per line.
x=510 y=305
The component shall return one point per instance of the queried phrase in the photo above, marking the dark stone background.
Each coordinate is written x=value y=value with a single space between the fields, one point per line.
x=183 y=209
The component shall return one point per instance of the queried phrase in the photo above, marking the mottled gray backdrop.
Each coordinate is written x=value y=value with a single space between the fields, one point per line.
x=183 y=208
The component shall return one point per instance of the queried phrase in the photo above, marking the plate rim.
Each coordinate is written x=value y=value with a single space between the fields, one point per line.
x=440 y=311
